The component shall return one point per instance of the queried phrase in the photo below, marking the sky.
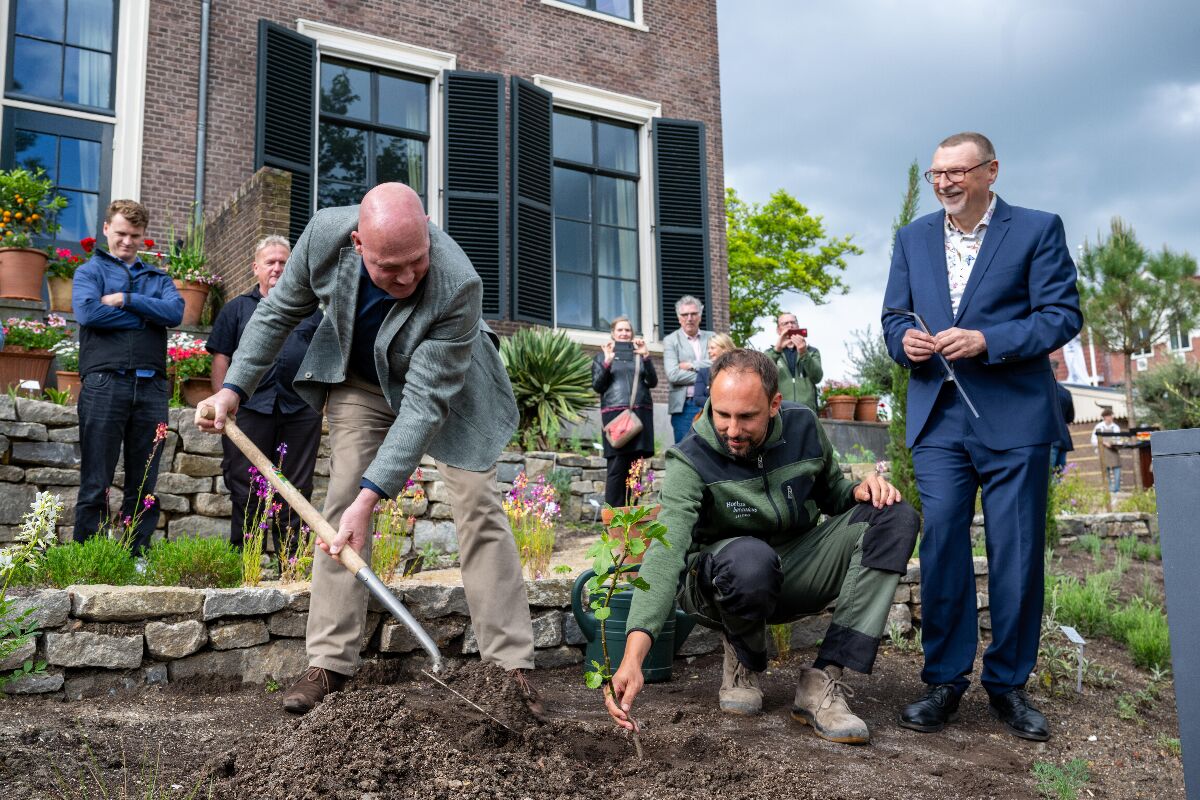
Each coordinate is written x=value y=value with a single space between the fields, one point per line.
x=1093 y=107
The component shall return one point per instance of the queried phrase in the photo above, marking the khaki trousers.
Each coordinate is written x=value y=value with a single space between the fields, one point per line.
x=359 y=419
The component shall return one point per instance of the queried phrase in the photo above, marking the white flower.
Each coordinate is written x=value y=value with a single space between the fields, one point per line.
x=6 y=561
x=38 y=525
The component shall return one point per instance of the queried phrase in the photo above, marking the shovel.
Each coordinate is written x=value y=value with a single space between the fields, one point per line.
x=348 y=557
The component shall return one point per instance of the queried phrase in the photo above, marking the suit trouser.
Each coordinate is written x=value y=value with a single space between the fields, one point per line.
x=951 y=464
x=742 y=584
x=359 y=418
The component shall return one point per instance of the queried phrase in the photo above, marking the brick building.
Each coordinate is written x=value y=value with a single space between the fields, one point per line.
x=573 y=147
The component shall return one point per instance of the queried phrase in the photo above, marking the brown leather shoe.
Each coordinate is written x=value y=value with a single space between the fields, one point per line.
x=311 y=689
x=528 y=694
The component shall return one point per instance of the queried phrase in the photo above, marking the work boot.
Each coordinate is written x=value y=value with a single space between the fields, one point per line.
x=821 y=702
x=740 y=693
x=528 y=693
x=311 y=689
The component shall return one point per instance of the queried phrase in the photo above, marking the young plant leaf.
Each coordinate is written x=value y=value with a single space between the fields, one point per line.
x=593 y=680
x=603 y=613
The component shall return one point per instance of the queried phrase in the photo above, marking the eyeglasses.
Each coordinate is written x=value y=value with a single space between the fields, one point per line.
x=954 y=175
x=689 y=313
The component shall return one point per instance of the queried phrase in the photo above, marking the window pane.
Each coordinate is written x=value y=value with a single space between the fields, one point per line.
x=89 y=24
x=573 y=295
x=43 y=18
x=79 y=164
x=330 y=193
x=573 y=246
x=403 y=103
x=345 y=91
x=37 y=68
x=343 y=153
x=618 y=8
x=616 y=147
x=78 y=219
x=573 y=138
x=617 y=298
x=616 y=252
x=87 y=78
x=35 y=151
x=616 y=201
x=572 y=194
x=400 y=159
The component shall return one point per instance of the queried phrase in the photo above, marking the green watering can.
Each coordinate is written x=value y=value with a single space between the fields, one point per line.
x=657 y=666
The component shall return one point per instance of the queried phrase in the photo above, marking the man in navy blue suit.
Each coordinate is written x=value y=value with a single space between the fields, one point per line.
x=995 y=286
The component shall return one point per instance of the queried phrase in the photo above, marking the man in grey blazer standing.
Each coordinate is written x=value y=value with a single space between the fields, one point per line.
x=403 y=365
x=684 y=352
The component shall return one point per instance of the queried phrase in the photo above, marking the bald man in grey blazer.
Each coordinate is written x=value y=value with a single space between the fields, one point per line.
x=403 y=365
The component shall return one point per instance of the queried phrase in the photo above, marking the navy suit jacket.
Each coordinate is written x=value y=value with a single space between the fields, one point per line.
x=1021 y=295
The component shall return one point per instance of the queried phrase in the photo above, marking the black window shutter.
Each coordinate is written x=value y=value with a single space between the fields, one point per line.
x=533 y=203
x=681 y=218
x=474 y=198
x=287 y=108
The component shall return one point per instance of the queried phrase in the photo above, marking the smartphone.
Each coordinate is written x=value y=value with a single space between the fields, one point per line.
x=623 y=351
x=797 y=332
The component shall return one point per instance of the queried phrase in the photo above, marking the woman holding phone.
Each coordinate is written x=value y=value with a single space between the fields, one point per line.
x=613 y=371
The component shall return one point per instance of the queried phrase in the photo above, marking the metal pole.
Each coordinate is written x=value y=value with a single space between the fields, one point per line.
x=202 y=112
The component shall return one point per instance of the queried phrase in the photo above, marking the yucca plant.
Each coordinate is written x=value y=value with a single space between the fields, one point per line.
x=551 y=378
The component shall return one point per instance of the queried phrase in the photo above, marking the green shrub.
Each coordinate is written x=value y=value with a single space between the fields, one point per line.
x=1169 y=395
x=196 y=562
x=1061 y=783
x=551 y=379
x=1143 y=628
x=96 y=560
x=1144 y=501
x=1075 y=496
x=1085 y=606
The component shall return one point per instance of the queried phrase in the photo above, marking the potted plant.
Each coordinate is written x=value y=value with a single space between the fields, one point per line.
x=60 y=273
x=840 y=398
x=191 y=365
x=67 y=353
x=27 y=349
x=867 y=407
x=27 y=208
x=187 y=264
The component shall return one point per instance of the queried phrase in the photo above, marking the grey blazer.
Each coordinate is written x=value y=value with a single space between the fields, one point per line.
x=675 y=350
x=438 y=361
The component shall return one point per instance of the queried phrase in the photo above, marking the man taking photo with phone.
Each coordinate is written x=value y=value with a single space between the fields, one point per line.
x=799 y=365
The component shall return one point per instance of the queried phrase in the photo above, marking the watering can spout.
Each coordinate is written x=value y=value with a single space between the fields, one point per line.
x=584 y=616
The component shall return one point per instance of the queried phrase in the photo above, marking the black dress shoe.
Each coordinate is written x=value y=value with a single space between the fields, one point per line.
x=931 y=713
x=1022 y=719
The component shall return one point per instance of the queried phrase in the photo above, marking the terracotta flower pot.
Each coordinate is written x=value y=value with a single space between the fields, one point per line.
x=194 y=296
x=841 y=406
x=606 y=515
x=60 y=293
x=69 y=382
x=19 y=364
x=193 y=390
x=867 y=409
x=22 y=270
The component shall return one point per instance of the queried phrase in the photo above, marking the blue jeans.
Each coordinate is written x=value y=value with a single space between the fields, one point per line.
x=681 y=423
x=118 y=412
x=1114 y=478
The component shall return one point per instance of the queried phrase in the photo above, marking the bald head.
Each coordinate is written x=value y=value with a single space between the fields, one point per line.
x=393 y=238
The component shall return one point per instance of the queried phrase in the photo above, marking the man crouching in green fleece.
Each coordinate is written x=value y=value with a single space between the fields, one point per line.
x=742 y=500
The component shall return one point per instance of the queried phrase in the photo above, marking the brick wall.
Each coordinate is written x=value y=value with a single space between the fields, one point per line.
x=675 y=63
x=258 y=208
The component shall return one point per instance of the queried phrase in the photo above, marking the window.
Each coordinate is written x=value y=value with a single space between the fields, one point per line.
x=374 y=128
x=75 y=154
x=1179 y=338
x=622 y=9
x=1144 y=344
x=61 y=52
x=596 y=259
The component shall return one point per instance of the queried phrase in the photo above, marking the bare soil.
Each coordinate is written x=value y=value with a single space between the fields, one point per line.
x=399 y=735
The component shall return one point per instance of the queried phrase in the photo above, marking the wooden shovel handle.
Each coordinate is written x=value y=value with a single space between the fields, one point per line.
x=349 y=558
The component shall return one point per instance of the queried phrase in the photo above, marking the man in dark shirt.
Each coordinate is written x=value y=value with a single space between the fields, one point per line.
x=274 y=418
x=124 y=308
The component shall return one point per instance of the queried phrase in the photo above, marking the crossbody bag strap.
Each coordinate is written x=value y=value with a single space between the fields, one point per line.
x=637 y=374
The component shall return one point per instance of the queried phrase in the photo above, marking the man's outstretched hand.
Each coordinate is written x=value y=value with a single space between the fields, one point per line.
x=627 y=681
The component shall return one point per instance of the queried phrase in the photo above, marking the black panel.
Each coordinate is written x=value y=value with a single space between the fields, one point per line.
x=681 y=218
x=533 y=198
x=474 y=197
x=287 y=107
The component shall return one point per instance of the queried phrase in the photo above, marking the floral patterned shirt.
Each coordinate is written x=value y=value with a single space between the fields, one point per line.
x=961 y=251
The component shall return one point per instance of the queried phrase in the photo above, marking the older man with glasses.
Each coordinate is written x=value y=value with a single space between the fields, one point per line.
x=684 y=352
x=990 y=288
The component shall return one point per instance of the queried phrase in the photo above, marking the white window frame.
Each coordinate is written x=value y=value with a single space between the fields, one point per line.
x=365 y=48
x=1185 y=335
x=127 y=119
x=637 y=23
x=573 y=96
